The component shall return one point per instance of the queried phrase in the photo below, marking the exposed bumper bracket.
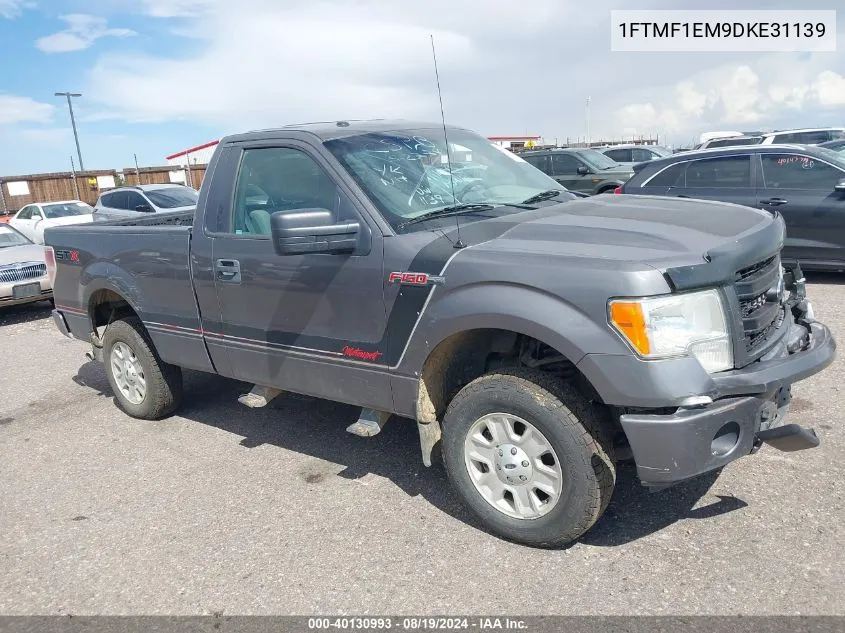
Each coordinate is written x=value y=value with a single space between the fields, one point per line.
x=789 y=437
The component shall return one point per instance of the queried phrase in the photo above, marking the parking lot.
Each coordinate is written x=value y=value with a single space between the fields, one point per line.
x=279 y=510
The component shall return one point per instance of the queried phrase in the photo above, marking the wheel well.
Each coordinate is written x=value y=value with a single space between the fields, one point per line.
x=107 y=306
x=463 y=357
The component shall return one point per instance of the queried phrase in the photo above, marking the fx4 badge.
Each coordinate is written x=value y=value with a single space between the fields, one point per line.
x=415 y=279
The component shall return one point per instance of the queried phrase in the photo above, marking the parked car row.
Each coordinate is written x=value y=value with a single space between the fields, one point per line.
x=803 y=136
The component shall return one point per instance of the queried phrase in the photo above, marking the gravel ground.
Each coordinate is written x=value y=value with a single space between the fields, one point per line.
x=280 y=511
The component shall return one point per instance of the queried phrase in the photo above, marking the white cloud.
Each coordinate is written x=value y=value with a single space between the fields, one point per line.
x=15 y=109
x=829 y=88
x=262 y=64
x=83 y=30
x=10 y=9
x=504 y=70
x=740 y=97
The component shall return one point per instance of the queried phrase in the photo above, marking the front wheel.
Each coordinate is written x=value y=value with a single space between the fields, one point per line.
x=529 y=455
x=144 y=386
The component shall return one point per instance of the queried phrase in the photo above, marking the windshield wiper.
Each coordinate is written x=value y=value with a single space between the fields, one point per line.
x=455 y=209
x=543 y=195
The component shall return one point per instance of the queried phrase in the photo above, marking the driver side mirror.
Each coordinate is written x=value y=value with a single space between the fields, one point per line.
x=840 y=186
x=144 y=208
x=311 y=231
x=583 y=171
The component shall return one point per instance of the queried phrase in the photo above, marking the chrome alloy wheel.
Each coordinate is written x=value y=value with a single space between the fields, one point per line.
x=128 y=373
x=513 y=466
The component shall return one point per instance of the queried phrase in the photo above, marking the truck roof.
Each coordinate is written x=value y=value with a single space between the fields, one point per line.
x=329 y=130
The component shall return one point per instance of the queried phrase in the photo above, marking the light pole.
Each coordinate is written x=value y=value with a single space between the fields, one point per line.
x=73 y=124
x=588 y=121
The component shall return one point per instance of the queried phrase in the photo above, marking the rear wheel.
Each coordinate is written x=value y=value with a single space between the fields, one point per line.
x=144 y=386
x=529 y=456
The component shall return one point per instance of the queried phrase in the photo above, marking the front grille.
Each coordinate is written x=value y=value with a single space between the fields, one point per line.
x=22 y=272
x=760 y=316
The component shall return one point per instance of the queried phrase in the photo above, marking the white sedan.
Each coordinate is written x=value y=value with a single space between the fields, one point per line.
x=34 y=218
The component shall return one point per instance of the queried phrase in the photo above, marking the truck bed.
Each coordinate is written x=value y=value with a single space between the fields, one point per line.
x=146 y=261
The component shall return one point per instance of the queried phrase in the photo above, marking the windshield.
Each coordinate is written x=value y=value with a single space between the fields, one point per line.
x=10 y=237
x=597 y=160
x=660 y=151
x=66 y=210
x=172 y=197
x=406 y=173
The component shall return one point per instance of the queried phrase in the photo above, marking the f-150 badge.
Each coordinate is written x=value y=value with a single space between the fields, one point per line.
x=415 y=279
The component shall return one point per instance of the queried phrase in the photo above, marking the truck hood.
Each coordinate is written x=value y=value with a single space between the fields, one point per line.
x=665 y=233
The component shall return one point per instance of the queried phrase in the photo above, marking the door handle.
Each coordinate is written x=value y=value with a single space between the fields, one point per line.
x=228 y=271
x=774 y=201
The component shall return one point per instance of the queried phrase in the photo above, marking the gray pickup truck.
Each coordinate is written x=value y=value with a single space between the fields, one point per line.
x=535 y=338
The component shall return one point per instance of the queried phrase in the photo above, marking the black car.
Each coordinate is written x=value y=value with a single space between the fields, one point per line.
x=580 y=169
x=805 y=184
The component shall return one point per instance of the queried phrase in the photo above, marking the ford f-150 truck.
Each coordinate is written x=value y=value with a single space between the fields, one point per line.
x=536 y=338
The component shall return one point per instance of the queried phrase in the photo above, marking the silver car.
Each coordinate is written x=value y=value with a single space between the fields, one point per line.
x=23 y=269
x=140 y=199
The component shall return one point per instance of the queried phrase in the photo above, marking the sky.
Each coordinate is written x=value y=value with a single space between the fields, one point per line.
x=159 y=76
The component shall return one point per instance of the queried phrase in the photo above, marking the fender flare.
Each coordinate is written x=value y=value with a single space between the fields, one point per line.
x=103 y=275
x=514 y=308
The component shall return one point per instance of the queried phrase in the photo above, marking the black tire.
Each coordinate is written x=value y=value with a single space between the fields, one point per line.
x=577 y=431
x=163 y=381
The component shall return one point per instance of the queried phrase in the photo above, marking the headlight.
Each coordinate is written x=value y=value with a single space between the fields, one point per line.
x=676 y=325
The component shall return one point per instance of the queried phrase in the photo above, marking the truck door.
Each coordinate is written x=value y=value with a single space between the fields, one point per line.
x=310 y=323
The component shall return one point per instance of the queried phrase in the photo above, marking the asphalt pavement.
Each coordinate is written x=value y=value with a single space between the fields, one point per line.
x=224 y=509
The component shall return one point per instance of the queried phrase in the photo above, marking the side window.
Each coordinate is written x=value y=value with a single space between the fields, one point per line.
x=641 y=155
x=794 y=171
x=25 y=213
x=812 y=138
x=722 y=172
x=620 y=155
x=134 y=199
x=564 y=165
x=36 y=213
x=672 y=176
x=541 y=162
x=282 y=179
x=116 y=200
x=785 y=138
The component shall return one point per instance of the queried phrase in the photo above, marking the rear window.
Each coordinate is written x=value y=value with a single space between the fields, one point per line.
x=672 y=176
x=620 y=155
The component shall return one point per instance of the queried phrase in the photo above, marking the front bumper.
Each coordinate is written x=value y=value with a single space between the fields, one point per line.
x=751 y=410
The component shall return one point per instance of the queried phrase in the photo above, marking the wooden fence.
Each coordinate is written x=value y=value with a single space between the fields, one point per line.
x=162 y=175
x=19 y=191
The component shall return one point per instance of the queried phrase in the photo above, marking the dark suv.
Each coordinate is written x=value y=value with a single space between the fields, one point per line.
x=805 y=184
x=584 y=170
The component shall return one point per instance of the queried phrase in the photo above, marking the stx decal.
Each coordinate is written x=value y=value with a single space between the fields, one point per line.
x=63 y=255
x=354 y=352
x=415 y=279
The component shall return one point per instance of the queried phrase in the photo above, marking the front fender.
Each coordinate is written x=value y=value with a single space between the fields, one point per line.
x=510 y=307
